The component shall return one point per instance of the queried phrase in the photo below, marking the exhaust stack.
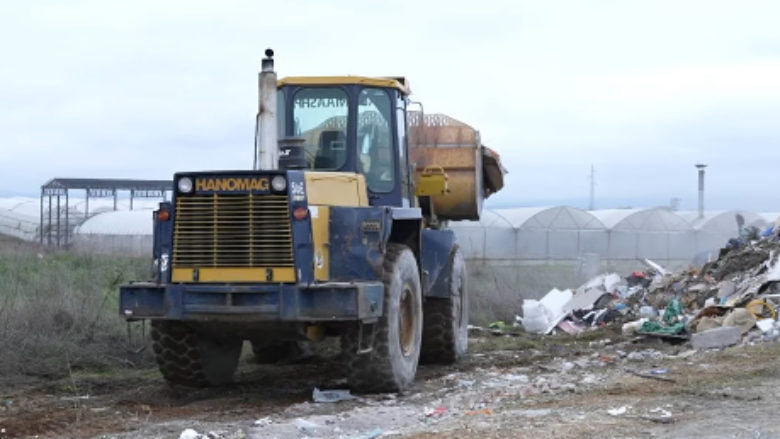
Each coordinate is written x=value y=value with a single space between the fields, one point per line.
x=701 y=190
x=267 y=151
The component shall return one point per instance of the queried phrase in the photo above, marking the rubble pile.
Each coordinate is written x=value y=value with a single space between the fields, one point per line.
x=727 y=301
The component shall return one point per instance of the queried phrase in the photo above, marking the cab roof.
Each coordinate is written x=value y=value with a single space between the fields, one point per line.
x=398 y=83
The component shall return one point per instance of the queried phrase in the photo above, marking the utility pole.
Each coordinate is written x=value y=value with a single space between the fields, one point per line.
x=592 y=205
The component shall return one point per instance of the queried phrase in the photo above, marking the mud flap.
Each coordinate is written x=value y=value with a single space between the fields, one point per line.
x=362 y=349
x=140 y=340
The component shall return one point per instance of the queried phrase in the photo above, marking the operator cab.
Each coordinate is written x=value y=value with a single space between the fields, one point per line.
x=351 y=124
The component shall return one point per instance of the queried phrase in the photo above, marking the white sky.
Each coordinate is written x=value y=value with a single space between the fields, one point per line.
x=641 y=89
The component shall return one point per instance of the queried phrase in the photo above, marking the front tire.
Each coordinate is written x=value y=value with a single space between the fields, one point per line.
x=446 y=321
x=392 y=363
x=185 y=357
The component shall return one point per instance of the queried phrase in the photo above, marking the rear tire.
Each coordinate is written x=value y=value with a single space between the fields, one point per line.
x=392 y=363
x=185 y=357
x=446 y=321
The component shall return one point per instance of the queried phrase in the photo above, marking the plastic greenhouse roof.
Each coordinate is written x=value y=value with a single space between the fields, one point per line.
x=556 y=218
x=16 y=220
x=32 y=206
x=720 y=220
x=651 y=220
x=108 y=183
x=770 y=217
x=17 y=225
x=489 y=218
x=11 y=215
x=120 y=222
x=11 y=203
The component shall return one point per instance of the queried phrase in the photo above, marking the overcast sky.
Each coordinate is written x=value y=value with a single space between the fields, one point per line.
x=643 y=90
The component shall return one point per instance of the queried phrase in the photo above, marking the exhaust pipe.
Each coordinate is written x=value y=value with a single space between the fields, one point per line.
x=267 y=147
x=701 y=190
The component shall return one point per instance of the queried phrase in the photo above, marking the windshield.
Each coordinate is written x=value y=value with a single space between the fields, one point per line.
x=320 y=117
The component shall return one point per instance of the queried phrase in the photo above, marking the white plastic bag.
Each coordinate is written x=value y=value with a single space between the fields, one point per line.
x=536 y=316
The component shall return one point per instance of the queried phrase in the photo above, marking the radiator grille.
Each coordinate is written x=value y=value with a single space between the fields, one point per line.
x=232 y=230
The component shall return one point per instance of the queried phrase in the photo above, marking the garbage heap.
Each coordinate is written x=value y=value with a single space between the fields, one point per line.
x=724 y=302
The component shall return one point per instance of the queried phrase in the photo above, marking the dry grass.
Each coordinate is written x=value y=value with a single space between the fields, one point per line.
x=58 y=310
x=57 y=306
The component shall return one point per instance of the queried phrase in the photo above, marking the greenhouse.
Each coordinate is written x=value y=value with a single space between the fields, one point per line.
x=27 y=211
x=654 y=233
x=18 y=225
x=722 y=221
x=77 y=206
x=770 y=217
x=717 y=227
x=544 y=233
x=116 y=232
x=501 y=236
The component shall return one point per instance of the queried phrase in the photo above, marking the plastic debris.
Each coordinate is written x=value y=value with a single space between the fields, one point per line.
x=190 y=434
x=618 y=411
x=323 y=396
x=375 y=433
x=438 y=411
x=263 y=422
x=306 y=427
x=479 y=412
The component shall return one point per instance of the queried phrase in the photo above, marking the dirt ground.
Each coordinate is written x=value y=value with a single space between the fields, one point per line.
x=509 y=387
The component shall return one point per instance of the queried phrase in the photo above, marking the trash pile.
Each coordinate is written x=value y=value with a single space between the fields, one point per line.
x=727 y=301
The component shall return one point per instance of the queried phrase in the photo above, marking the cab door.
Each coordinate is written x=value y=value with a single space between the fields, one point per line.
x=404 y=160
x=379 y=152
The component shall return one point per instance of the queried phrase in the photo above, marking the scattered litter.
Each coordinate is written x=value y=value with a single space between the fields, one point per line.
x=740 y=289
x=662 y=412
x=479 y=412
x=306 y=427
x=263 y=422
x=660 y=416
x=190 y=434
x=659 y=419
x=375 y=433
x=650 y=376
x=331 y=395
x=618 y=411
x=716 y=338
x=765 y=325
x=438 y=411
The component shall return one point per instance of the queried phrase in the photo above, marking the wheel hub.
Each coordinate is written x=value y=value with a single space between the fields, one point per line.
x=406 y=323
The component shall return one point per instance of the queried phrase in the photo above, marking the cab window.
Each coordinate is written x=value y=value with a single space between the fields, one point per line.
x=320 y=117
x=375 y=141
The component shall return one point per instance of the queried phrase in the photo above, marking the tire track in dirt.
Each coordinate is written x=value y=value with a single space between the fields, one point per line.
x=126 y=400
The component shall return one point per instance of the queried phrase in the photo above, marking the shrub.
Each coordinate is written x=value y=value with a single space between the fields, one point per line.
x=59 y=310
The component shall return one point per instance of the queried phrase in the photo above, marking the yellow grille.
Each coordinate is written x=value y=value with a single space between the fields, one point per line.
x=232 y=230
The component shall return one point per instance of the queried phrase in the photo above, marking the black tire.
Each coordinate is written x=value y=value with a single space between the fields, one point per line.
x=388 y=367
x=446 y=321
x=187 y=358
x=272 y=353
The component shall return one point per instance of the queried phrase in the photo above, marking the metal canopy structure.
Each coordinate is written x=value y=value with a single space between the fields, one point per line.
x=57 y=219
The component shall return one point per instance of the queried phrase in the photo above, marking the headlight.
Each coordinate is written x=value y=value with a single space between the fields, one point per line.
x=185 y=185
x=279 y=183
